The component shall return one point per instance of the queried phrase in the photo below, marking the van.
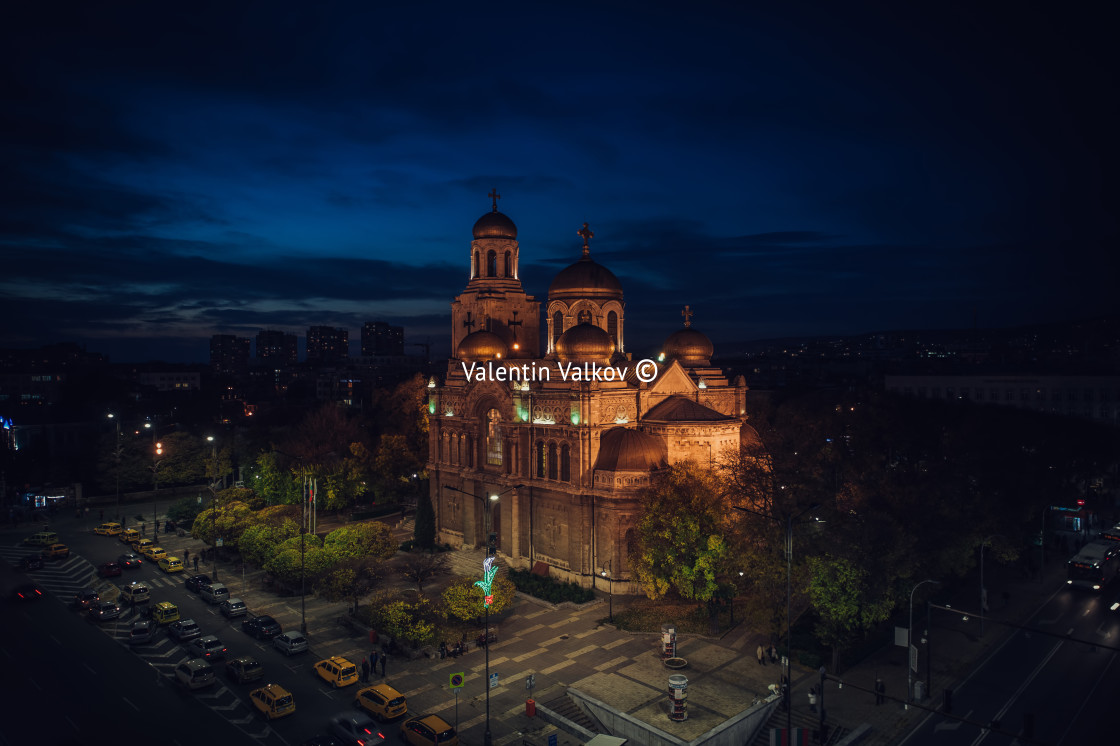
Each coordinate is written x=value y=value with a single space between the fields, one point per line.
x=140 y=544
x=171 y=564
x=108 y=529
x=164 y=612
x=195 y=673
x=136 y=593
x=214 y=593
x=273 y=701
x=41 y=539
x=128 y=535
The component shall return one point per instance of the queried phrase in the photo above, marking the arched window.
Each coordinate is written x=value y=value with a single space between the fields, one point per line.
x=565 y=463
x=552 y=461
x=509 y=266
x=540 y=459
x=583 y=317
x=493 y=438
x=557 y=326
x=612 y=327
x=491 y=263
x=474 y=266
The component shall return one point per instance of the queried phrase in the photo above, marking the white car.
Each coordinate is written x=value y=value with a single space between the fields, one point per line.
x=184 y=629
x=233 y=607
x=290 y=643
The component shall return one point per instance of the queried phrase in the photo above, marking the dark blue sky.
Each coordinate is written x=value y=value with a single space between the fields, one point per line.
x=808 y=169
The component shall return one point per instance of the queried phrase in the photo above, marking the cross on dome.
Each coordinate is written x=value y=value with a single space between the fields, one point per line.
x=587 y=235
x=687 y=313
x=495 y=197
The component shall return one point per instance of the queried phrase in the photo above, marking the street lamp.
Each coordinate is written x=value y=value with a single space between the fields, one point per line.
x=214 y=508
x=157 y=458
x=910 y=645
x=608 y=573
x=117 y=456
x=789 y=574
x=488 y=574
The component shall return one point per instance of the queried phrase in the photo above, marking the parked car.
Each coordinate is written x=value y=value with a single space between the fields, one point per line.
x=109 y=570
x=233 y=607
x=213 y=593
x=30 y=562
x=154 y=553
x=108 y=529
x=290 y=643
x=381 y=701
x=208 y=648
x=184 y=629
x=41 y=539
x=244 y=668
x=195 y=582
x=27 y=592
x=86 y=598
x=103 y=611
x=261 y=627
x=142 y=631
x=56 y=551
x=128 y=535
x=273 y=701
x=171 y=564
x=356 y=728
x=195 y=673
x=424 y=730
x=337 y=671
x=136 y=593
x=164 y=612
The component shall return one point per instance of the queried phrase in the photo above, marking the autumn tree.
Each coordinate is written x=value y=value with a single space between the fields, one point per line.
x=463 y=600
x=420 y=567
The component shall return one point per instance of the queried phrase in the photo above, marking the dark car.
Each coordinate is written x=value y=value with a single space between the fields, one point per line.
x=130 y=560
x=195 y=582
x=30 y=562
x=109 y=569
x=244 y=668
x=261 y=627
x=209 y=648
x=27 y=592
x=86 y=598
x=357 y=727
x=104 y=610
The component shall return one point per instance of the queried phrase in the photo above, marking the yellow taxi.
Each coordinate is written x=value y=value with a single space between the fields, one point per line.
x=273 y=701
x=41 y=539
x=171 y=564
x=428 y=729
x=337 y=671
x=108 y=529
x=381 y=701
x=154 y=553
x=164 y=612
x=128 y=535
x=56 y=551
x=139 y=545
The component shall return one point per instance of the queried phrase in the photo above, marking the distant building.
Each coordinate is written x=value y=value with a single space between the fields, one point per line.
x=327 y=345
x=380 y=338
x=277 y=348
x=170 y=380
x=229 y=355
x=1088 y=397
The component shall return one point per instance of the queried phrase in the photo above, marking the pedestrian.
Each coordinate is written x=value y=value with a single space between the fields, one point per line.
x=760 y=655
x=812 y=699
x=186 y=555
x=384 y=655
x=365 y=670
x=442 y=650
x=373 y=662
x=196 y=563
x=879 y=690
x=773 y=653
x=157 y=527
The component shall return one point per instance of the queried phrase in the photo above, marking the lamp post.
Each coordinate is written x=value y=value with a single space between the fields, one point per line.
x=983 y=591
x=910 y=645
x=488 y=574
x=789 y=592
x=117 y=457
x=157 y=458
x=608 y=573
x=214 y=506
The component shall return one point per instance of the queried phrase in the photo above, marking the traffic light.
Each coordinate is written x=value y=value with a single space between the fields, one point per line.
x=948 y=701
x=492 y=546
x=159 y=449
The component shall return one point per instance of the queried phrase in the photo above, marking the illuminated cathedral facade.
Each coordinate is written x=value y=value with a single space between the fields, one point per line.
x=543 y=446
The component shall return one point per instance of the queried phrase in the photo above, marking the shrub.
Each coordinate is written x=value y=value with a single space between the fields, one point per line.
x=548 y=589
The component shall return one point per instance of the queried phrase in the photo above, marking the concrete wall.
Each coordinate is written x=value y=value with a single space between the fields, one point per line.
x=733 y=732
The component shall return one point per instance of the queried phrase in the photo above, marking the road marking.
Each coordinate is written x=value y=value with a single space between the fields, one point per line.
x=35 y=684
x=70 y=721
x=90 y=668
x=1022 y=687
x=130 y=704
x=56 y=640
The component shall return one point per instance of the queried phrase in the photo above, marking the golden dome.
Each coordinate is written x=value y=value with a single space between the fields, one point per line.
x=494 y=225
x=481 y=346
x=689 y=346
x=585 y=343
x=625 y=449
x=585 y=279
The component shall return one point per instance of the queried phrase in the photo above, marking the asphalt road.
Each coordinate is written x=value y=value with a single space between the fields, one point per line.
x=76 y=679
x=1058 y=675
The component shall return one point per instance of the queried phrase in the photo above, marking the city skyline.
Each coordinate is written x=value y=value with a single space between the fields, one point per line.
x=803 y=171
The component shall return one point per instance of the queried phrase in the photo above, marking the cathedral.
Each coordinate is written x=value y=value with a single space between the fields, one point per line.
x=541 y=447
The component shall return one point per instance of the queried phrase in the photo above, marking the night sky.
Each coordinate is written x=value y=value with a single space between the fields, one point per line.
x=176 y=170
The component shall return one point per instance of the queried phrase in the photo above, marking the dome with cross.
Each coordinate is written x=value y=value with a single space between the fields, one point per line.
x=586 y=278
x=688 y=345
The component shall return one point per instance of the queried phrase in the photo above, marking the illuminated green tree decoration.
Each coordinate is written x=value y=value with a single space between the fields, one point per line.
x=488 y=573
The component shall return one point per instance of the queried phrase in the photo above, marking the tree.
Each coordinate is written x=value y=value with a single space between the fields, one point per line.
x=350 y=580
x=285 y=562
x=463 y=599
x=420 y=567
x=685 y=534
x=424 y=530
x=369 y=538
x=225 y=519
x=259 y=542
x=415 y=621
x=844 y=601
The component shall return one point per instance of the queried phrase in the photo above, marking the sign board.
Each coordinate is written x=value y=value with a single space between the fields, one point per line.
x=493 y=681
x=219 y=542
x=551 y=739
x=900 y=637
x=457 y=680
x=914 y=658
